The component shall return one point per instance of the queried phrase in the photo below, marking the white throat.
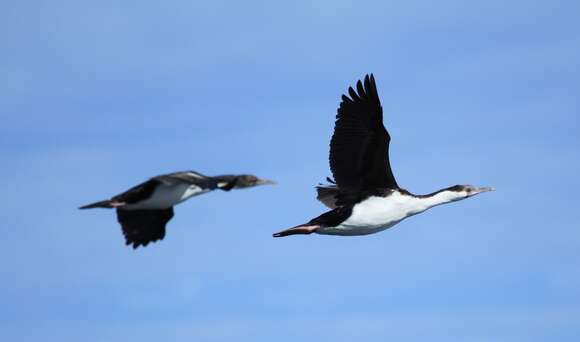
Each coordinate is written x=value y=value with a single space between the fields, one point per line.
x=446 y=196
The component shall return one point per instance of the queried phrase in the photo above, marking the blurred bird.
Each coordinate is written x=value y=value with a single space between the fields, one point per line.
x=365 y=197
x=144 y=210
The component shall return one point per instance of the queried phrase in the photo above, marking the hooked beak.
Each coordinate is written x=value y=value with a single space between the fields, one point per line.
x=484 y=189
x=264 y=181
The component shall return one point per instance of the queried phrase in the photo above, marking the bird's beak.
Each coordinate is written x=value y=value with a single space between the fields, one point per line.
x=265 y=181
x=484 y=189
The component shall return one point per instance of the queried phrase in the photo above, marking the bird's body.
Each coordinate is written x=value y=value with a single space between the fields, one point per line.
x=144 y=210
x=375 y=214
x=365 y=197
x=169 y=193
x=165 y=196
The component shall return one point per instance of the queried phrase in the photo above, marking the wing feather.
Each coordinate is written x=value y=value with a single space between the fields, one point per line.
x=359 y=158
x=140 y=227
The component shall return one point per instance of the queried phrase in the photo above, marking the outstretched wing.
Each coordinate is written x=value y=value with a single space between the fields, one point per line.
x=359 y=147
x=143 y=226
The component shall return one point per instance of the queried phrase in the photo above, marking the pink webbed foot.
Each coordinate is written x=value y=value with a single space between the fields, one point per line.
x=297 y=230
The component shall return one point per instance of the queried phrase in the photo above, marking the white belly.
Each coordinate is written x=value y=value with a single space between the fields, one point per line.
x=166 y=196
x=376 y=214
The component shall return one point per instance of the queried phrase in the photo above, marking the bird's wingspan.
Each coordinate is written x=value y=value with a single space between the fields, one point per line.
x=359 y=147
x=143 y=226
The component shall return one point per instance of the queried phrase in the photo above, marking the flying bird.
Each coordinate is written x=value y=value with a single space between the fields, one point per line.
x=144 y=210
x=364 y=195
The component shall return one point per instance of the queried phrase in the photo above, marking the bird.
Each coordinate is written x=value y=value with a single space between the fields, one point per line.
x=364 y=196
x=144 y=210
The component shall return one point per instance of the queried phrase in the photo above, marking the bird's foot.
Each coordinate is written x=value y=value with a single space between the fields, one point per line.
x=297 y=230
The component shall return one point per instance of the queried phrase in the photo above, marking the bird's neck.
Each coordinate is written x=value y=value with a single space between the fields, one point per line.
x=224 y=178
x=436 y=198
x=225 y=182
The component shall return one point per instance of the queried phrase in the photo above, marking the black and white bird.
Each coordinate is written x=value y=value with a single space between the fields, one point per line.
x=144 y=210
x=365 y=197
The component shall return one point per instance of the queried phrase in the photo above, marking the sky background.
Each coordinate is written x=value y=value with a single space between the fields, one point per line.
x=97 y=96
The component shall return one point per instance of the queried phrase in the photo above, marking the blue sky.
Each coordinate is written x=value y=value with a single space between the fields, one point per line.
x=96 y=96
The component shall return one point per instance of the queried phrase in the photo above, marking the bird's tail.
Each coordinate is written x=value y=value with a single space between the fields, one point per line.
x=100 y=204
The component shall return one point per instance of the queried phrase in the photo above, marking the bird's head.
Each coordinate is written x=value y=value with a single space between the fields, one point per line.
x=247 y=181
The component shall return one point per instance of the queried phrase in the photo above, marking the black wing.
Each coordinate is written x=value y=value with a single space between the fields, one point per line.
x=359 y=147
x=143 y=226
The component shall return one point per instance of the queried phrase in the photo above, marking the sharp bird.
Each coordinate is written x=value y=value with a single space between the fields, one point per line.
x=364 y=196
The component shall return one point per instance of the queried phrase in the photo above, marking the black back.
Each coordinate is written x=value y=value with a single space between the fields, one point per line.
x=359 y=147
x=143 y=226
x=138 y=192
x=188 y=177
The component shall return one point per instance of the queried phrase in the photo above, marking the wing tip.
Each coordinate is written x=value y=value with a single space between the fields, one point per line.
x=370 y=86
x=365 y=89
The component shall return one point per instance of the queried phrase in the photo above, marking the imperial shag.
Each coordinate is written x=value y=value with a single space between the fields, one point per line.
x=364 y=196
x=144 y=210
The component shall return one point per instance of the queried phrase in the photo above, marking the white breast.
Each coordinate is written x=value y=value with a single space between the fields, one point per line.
x=376 y=214
x=166 y=196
